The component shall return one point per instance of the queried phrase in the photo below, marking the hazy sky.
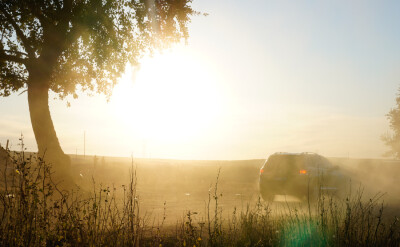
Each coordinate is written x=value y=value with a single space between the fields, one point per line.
x=256 y=77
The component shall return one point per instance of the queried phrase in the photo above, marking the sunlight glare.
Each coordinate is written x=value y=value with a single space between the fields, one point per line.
x=172 y=97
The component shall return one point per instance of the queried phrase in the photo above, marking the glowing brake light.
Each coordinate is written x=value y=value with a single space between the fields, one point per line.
x=261 y=171
x=303 y=171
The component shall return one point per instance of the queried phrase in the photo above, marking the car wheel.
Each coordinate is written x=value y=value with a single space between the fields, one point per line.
x=312 y=194
x=343 y=189
x=267 y=196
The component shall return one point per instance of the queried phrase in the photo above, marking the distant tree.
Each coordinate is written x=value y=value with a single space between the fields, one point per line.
x=71 y=45
x=393 y=139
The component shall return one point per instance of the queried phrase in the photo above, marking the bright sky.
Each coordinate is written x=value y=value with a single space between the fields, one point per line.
x=256 y=77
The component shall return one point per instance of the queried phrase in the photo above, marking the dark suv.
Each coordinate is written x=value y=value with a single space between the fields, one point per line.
x=304 y=175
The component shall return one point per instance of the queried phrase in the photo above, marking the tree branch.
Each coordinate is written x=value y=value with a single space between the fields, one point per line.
x=39 y=14
x=58 y=5
x=4 y=58
x=63 y=25
x=17 y=52
x=19 y=32
x=67 y=5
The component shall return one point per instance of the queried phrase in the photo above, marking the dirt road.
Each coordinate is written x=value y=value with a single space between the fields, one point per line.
x=173 y=187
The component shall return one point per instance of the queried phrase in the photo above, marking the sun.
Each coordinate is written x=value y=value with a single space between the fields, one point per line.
x=172 y=97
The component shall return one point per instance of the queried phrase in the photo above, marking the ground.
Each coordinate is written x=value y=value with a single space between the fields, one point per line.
x=172 y=187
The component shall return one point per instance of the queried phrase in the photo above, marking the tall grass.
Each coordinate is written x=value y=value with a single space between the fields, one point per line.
x=35 y=212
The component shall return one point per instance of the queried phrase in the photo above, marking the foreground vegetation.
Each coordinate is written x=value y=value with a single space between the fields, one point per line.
x=35 y=211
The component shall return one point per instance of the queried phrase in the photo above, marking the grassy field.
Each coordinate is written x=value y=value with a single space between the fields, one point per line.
x=174 y=180
x=140 y=202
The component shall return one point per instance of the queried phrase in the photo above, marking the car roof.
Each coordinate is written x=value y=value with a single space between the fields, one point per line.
x=303 y=153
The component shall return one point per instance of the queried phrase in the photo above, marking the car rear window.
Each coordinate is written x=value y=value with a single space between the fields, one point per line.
x=284 y=164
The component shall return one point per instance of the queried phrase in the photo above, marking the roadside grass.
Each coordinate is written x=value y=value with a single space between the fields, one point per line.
x=34 y=211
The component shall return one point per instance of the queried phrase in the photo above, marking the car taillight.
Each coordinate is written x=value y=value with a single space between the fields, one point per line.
x=303 y=171
x=261 y=171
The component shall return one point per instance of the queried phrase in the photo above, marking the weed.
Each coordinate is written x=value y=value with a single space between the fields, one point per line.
x=35 y=212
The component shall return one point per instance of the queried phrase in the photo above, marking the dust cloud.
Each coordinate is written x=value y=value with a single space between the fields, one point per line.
x=373 y=176
x=172 y=187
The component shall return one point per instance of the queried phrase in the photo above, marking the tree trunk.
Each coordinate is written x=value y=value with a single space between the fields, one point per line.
x=48 y=145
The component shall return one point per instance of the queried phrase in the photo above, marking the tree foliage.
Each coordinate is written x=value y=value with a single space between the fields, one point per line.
x=393 y=139
x=83 y=44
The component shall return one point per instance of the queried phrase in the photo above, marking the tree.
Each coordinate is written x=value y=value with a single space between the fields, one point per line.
x=71 y=45
x=393 y=139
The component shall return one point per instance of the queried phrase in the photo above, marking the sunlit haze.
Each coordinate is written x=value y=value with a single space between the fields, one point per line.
x=255 y=77
x=171 y=100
